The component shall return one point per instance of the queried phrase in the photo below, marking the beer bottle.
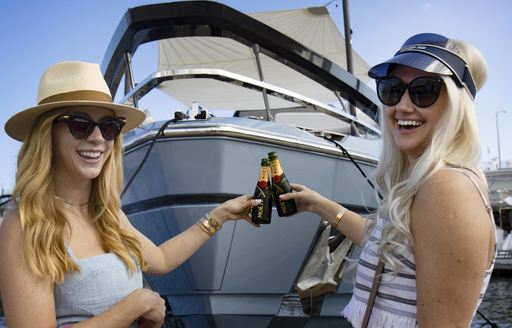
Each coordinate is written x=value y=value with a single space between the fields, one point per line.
x=262 y=213
x=280 y=185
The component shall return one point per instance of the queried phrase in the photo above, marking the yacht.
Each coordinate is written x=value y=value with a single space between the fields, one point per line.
x=280 y=83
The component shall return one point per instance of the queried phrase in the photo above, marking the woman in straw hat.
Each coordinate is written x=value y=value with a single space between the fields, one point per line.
x=435 y=233
x=69 y=254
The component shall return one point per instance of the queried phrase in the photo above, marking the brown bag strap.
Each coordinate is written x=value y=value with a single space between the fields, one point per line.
x=373 y=293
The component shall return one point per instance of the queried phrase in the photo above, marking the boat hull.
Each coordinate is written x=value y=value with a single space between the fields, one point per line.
x=242 y=271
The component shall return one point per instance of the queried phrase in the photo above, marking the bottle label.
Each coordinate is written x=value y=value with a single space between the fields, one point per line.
x=277 y=170
x=262 y=213
x=264 y=176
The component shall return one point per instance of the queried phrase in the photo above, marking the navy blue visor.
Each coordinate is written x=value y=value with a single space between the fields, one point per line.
x=432 y=53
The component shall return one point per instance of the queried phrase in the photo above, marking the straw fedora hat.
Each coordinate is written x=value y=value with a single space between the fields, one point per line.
x=68 y=84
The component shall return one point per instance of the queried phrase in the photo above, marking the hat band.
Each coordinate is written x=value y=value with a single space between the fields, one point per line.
x=83 y=95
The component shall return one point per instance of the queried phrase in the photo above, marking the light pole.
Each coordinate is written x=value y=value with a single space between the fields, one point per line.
x=498 y=135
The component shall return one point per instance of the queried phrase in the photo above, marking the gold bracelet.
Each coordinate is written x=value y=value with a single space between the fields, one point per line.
x=216 y=225
x=339 y=216
x=208 y=224
x=204 y=228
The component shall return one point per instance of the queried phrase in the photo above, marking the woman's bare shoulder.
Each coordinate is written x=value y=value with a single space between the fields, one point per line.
x=448 y=200
x=123 y=219
x=450 y=187
x=10 y=226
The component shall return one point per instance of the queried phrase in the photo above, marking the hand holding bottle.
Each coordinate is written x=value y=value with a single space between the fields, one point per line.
x=305 y=198
x=235 y=209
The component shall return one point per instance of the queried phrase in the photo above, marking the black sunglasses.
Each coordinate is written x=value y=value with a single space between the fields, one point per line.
x=81 y=127
x=423 y=91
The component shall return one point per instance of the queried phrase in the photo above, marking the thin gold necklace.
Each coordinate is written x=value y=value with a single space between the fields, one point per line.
x=71 y=203
x=77 y=214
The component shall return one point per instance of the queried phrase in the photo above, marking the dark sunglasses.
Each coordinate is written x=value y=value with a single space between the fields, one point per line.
x=423 y=91
x=81 y=127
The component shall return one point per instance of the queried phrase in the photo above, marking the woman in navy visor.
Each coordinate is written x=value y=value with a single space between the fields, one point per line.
x=434 y=233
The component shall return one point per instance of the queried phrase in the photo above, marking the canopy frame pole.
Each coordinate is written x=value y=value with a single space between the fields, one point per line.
x=348 y=51
x=128 y=78
x=256 y=51
x=338 y=95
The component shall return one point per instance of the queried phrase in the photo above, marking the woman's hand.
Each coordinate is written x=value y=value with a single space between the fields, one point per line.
x=154 y=315
x=235 y=209
x=305 y=198
x=352 y=224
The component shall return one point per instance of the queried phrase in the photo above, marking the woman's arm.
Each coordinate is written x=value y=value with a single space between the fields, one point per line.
x=453 y=245
x=351 y=224
x=28 y=300
x=141 y=303
x=178 y=249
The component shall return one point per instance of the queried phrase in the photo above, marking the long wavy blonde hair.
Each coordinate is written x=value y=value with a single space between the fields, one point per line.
x=455 y=142
x=43 y=222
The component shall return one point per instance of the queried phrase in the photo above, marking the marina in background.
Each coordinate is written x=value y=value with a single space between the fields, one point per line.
x=500 y=196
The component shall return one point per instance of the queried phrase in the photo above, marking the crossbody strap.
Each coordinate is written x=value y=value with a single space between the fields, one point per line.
x=373 y=293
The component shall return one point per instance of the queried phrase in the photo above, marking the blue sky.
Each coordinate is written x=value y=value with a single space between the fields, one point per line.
x=37 y=34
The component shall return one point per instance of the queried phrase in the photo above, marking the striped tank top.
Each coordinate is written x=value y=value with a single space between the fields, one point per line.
x=395 y=304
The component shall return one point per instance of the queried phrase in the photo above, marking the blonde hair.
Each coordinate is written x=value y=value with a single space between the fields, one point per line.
x=43 y=222
x=455 y=142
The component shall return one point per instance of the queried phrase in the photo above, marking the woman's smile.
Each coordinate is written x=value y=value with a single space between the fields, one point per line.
x=411 y=126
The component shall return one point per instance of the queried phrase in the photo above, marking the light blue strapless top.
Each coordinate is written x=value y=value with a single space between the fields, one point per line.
x=103 y=281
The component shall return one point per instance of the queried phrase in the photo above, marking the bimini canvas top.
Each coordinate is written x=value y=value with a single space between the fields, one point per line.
x=313 y=27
